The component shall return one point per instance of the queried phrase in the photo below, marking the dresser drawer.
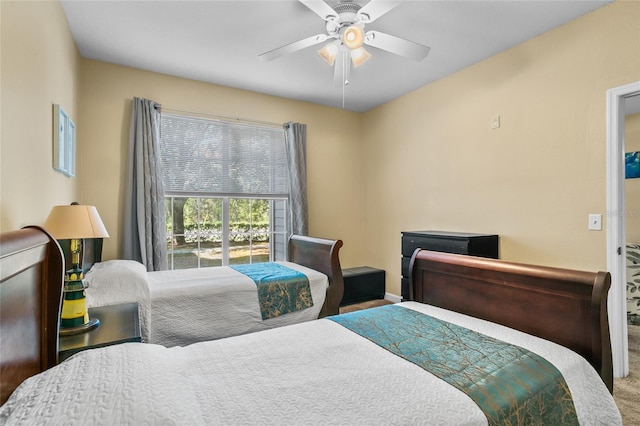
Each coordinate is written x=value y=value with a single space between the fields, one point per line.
x=447 y=245
x=406 y=261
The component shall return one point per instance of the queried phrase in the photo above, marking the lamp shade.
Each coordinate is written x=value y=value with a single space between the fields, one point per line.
x=353 y=37
x=329 y=52
x=75 y=222
x=359 y=56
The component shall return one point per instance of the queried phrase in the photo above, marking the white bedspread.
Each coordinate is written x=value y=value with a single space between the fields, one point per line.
x=181 y=307
x=120 y=281
x=305 y=374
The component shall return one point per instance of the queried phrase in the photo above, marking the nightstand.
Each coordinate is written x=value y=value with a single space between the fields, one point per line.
x=118 y=324
x=362 y=283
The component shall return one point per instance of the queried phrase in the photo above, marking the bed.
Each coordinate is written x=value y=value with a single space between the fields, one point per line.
x=181 y=307
x=328 y=371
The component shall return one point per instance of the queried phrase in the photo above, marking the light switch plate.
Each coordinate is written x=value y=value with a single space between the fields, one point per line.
x=495 y=121
x=595 y=222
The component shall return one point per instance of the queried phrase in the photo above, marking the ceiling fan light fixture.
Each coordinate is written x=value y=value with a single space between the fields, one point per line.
x=329 y=52
x=353 y=37
x=359 y=56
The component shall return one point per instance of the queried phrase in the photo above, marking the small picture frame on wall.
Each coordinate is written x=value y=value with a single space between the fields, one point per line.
x=64 y=142
x=632 y=165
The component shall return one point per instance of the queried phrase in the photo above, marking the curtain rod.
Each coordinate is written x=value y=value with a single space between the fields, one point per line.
x=222 y=117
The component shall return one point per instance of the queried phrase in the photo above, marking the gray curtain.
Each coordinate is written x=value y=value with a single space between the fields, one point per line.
x=296 y=142
x=144 y=227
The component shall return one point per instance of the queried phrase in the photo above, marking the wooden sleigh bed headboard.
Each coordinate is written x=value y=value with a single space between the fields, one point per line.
x=31 y=279
x=321 y=255
x=565 y=306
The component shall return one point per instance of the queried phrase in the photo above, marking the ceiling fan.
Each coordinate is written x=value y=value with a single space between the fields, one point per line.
x=345 y=25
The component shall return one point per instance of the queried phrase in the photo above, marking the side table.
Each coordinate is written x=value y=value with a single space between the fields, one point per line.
x=118 y=324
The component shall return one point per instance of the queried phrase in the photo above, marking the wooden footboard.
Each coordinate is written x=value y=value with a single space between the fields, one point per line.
x=31 y=279
x=321 y=255
x=565 y=306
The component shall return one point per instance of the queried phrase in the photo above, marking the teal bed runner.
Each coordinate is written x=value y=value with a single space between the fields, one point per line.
x=512 y=386
x=280 y=289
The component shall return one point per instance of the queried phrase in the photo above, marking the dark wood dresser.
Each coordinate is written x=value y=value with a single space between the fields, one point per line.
x=482 y=245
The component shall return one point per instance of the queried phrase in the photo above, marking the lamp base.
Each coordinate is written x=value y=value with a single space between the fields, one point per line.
x=93 y=323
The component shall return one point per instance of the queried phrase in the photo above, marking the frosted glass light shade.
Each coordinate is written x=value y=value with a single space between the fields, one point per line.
x=359 y=56
x=353 y=37
x=329 y=52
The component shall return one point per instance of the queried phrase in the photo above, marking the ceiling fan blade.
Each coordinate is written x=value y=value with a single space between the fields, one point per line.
x=321 y=9
x=399 y=46
x=293 y=47
x=375 y=9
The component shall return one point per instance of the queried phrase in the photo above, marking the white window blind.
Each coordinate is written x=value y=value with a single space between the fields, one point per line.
x=202 y=155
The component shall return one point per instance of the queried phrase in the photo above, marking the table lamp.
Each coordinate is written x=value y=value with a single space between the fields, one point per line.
x=75 y=222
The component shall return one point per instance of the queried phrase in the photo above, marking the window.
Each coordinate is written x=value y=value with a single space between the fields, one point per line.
x=226 y=191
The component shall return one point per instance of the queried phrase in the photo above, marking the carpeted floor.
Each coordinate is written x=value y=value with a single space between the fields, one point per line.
x=626 y=392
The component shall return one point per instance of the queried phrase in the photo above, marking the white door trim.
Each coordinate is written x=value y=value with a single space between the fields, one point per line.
x=616 y=214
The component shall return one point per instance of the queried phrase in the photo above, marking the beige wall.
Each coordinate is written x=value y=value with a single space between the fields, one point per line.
x=433 y=162
x=632 y=186
x=39 y=68
x=333 y=145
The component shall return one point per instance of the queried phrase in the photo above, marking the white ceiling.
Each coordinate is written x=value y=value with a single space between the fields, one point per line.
x=219 y=42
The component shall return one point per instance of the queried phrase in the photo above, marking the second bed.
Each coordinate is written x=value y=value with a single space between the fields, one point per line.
x=181 y=307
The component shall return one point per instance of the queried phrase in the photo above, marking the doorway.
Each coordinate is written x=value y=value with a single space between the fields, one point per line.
x=616 y=226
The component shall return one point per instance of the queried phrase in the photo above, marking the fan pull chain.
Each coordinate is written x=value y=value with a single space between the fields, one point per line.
x=343 y=85
x=345 y=75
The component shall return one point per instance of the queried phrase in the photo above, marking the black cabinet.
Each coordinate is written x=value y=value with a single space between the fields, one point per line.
x=362 y=283
x=482 y=245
